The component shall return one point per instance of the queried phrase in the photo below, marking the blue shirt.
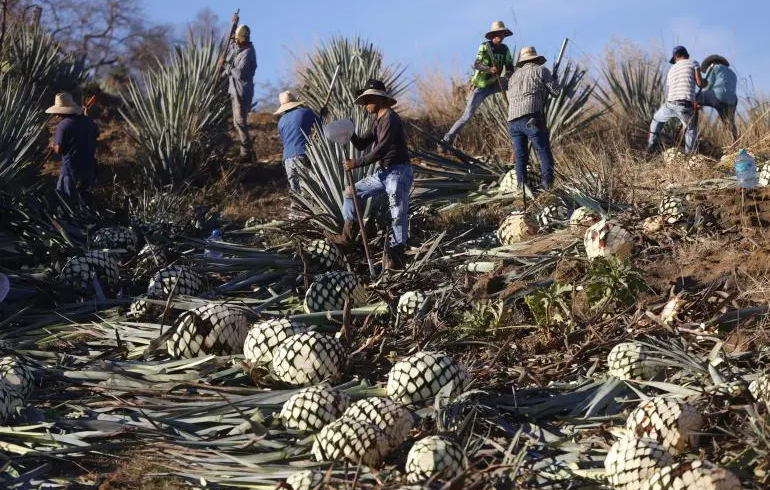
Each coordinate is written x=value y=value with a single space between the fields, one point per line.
x=241 y=70
x=293 y=126
x=76 y=138
x=723 y=83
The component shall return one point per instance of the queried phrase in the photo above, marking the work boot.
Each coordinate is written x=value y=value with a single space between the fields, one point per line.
x=348 y=236
x=395 y=259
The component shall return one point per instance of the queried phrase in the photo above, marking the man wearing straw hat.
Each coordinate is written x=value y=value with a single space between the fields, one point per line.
x=75 y=143
x=528 y=90
x=721 y=84
x=294 y=126
x=241 y=68
x=387 y=139
x=492 y=57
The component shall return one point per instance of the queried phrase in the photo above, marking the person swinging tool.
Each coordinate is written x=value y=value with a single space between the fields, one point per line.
x=394 y=176
x=492 y=57
x=240 y=69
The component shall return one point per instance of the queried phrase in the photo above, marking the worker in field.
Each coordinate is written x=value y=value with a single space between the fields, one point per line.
x=295 y=126
x=240 y=69
x=388 y=148
x=682 y=84
x=493 y=65
x=74 y=143
x=528 y=90
x=720 y=92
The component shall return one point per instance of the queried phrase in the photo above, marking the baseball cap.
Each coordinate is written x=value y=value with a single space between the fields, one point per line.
x=679 y=51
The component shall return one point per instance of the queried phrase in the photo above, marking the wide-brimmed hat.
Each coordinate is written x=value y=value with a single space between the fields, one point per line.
x=678 y=51
x=714 y=59
x=498 y=29
x=64 y=104
x=243 y=33
x=530 y=54
x=288 y=102
x=374 y=88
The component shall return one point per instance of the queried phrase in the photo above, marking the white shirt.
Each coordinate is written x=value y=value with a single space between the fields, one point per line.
x=681 y=81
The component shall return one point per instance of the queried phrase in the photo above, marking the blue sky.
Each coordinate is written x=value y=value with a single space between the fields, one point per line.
x=426 y=34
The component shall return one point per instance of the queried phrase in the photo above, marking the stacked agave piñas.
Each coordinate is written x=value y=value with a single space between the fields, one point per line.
x=630 y=360
x=419 y=377
x=515 y=228
x=631 y=461
x=410 y=303
x=670 y=422
x=309 y=358
x=329 y=291
x=608 y=239
x=323 y=255
x=692 y=475
x=314 y=407
x=78 y=270
x=353 y=440
x=115 y=237
x=265 y=337
x=210 y=329
x=393 y=419
x=434 y=456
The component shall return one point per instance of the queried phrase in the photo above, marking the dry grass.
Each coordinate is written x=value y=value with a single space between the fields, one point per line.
x=134 y=471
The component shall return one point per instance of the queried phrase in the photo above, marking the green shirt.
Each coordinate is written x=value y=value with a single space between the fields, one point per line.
x=482 y=78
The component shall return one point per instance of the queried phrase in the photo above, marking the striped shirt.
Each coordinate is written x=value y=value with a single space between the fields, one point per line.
x=527 y=90
x=681 y=81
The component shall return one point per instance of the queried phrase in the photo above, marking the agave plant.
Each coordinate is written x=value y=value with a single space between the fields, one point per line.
x=632 y=89
x=34 y=57
x=21 y=126
x=323 y=183
x=177 y=114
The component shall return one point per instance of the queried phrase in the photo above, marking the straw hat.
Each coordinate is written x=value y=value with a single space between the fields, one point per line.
x=288 y=102
x=64 y=104
x=498 y=29
x=374 y=88
x=530 y=54
x=243 y=33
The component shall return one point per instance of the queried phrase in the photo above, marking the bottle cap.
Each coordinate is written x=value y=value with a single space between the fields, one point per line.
x=742 y=151
x=217 y=233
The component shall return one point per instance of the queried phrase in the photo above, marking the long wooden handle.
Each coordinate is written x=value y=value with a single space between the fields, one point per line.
x=360 y=217
x=331 y=86
x=561 y=56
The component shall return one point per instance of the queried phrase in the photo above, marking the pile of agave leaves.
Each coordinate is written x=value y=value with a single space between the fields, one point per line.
x=541 y=410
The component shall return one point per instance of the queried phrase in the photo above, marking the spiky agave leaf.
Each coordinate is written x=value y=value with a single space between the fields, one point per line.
x=633 y=88
x=21 y=125
x=176 y=115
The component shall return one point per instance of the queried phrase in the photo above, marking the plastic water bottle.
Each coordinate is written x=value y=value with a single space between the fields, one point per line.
x=216 y=236
x=745 y=170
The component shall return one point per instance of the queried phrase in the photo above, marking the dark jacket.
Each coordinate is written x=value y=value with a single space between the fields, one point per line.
x=389 y=142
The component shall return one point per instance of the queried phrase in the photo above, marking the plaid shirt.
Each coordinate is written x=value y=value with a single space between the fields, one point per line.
x=527 y=90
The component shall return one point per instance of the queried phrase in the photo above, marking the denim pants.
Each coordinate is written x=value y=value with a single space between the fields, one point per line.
x=475 y=100
x=726 y=111
x=670 y=111
x=532 y=129
x=240 y=121
x=72 y=186
x=292 y=174
x=396 y=182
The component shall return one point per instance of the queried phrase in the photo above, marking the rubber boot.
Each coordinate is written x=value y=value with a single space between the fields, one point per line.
x=348 y=236
x=395 y=259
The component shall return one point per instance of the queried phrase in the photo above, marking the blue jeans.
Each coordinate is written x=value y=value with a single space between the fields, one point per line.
x=532 y=129
x=73 y=186
x=291 y=164
x=726 y=111
x=396 y=182
x=475 y=100
x=670 y=111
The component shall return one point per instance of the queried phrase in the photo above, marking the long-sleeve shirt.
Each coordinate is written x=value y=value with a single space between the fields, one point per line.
x=388 y=138
x=723 y=83
x=483 y=76
x=241 y=69
x=528 y=89
x=294 y=127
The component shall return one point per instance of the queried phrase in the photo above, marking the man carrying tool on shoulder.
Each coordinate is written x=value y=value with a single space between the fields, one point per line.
x=492 y=57
x=682 y=84
x=75 y=143
x=240 y=69
x=394 y=176
x=528 y=90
